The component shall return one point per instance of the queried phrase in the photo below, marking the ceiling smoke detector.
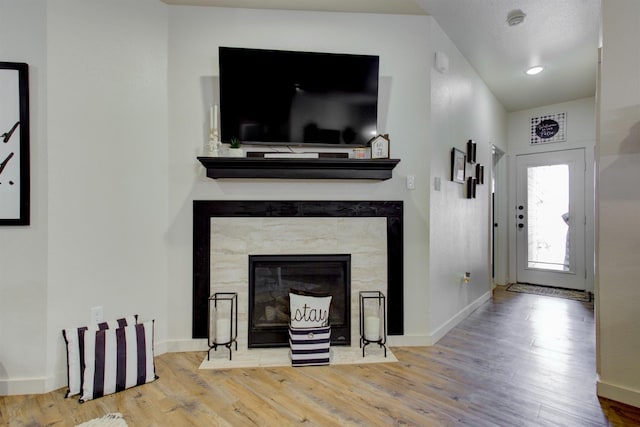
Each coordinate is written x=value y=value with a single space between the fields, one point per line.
x=515 y=17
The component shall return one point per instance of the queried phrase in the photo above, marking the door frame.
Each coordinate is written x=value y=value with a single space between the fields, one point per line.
x=499 y=215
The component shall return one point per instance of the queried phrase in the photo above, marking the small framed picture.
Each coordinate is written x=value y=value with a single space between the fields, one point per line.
x=479 y=174
x=548 y=128
x=458 y=160
x=380 y=147
x=471 y=151
x=471 y=187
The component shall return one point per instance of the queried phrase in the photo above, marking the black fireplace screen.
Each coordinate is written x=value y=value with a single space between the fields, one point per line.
x=273 y=277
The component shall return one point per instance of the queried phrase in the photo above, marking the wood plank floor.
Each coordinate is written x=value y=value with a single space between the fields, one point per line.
x=519 y=360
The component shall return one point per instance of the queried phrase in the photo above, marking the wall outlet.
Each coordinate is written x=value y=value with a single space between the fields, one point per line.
x=97 y=315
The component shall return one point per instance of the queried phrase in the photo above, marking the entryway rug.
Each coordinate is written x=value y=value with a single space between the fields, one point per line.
x=114 y=419
x=277 y=357
x=550 y=291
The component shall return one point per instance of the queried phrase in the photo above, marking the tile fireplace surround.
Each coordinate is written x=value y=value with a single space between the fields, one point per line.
x=226 y=232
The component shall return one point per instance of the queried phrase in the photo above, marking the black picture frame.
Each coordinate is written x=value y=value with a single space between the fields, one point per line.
x=479 y=173
x=14 y=144
x=471 y=187
x=458 y=168
x=471 y=151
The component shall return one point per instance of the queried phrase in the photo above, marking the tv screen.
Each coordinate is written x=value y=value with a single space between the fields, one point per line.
x=297 y=98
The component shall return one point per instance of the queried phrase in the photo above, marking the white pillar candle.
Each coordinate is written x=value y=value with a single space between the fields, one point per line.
x=223 y=332
x=372 y=328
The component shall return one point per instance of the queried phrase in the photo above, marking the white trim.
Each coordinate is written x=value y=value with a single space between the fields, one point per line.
x=181 y=345
x=409 y=341
x=455 y=320
x=10 y=387
x=618 y=393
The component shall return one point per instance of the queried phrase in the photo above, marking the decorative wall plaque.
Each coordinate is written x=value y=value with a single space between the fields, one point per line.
x=549 y=128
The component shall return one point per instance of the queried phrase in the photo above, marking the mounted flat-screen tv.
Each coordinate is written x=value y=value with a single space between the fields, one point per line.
x=295 y=98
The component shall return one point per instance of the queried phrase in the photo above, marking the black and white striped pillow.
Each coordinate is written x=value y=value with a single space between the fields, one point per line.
x=117 y=359
x=74 y=339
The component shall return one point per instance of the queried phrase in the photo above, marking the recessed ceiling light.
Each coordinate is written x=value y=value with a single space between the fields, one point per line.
x=515 y=17
x=534 y=70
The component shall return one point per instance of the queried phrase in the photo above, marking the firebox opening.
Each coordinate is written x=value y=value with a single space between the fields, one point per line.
x=272 y=277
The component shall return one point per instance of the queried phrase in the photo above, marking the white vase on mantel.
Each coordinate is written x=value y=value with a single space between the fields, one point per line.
x=235 y=152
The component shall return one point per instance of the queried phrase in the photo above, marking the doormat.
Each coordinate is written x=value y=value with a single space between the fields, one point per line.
x=550 y=291
x=114 y=419
x=277 y=357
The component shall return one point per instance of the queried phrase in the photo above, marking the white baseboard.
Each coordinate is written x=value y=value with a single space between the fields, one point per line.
x=462 y=314
x=619 y=393
x=18 y=386
x=409 y=341
x=182 y=345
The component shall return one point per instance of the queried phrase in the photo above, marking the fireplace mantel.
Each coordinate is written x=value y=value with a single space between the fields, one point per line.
x=323 y=168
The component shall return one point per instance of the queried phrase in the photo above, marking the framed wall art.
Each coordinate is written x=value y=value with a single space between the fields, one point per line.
x=458 y=161
x=479 y=174
x=14 y=144
x=471 y=187
x=471 y=151
x=548 y=128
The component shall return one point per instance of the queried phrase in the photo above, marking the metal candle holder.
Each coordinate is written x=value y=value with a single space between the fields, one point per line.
x=373 y=319
x=223 y=321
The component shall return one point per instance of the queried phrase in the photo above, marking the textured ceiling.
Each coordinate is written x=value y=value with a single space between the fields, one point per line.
x=562 y=35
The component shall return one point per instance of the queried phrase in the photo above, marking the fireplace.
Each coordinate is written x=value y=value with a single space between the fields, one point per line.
x=273 y=277
x=206 y=212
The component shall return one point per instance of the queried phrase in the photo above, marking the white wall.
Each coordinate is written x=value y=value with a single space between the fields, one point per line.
x=581 y=133
x=107 y=127
x=402 y=42
x=462 y=108
x=23 y=250
x=618 y=203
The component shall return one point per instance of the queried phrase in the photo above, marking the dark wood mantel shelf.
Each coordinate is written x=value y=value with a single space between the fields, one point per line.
x=323 y=168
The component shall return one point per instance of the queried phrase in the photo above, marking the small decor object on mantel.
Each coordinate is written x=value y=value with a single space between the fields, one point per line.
x=360 y=152
x=380 y=147
x=214 y=136
x=234 y=149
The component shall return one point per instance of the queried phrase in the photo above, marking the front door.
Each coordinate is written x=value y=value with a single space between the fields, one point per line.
x=550 y=219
